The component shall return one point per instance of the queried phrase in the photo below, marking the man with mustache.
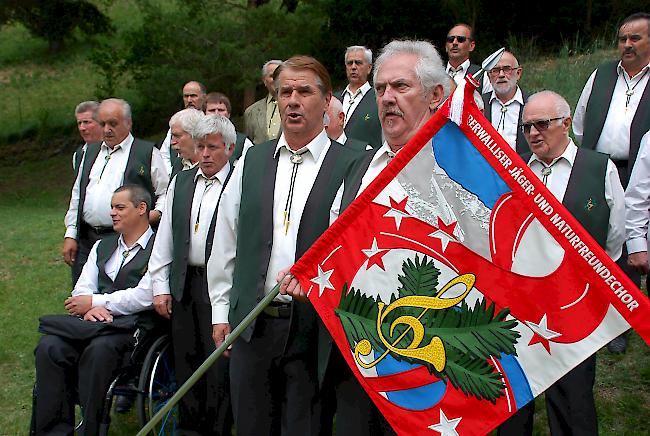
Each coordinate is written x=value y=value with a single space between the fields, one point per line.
x=118 y=160
x=410 y=83
x=273 y=209
x=89 y=129
x=622 y=87
x=194 y=97
x=358 y=98
x=503 y=106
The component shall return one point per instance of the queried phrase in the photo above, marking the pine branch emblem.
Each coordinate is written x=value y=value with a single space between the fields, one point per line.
x=424 y=326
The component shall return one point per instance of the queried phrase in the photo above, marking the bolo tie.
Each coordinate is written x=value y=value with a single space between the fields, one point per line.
x=296 y=159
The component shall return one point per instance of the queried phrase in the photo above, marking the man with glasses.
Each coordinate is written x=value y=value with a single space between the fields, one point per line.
x=359 y=104
x=459 y=45
x=587 y=183
x=262 y=118
x=621 y=86
x=503 y=105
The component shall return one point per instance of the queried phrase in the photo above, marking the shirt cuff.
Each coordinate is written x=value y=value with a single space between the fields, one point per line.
x=220 y=314
x=99 y=300
x=637 y=244
x=160 y=288
x=71 y=232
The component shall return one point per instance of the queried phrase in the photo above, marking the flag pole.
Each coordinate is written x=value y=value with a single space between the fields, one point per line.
x=211 y=359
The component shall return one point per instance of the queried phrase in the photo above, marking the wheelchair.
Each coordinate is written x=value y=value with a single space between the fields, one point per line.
x=148 y=379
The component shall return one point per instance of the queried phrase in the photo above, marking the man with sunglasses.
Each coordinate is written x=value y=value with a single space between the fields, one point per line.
x=459 y=45
x=621 y=86
x=503 y=106
x=587 y=183
x=359 y=104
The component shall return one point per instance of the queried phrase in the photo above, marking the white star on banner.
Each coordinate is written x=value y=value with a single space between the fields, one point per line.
x=446 y=427
x=542 y=329
x=372 y=250
x=323 y=280
x=444 y=238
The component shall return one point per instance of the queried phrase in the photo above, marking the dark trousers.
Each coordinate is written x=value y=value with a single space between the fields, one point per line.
x=67 y=370
x=570 y=406
x=206 y=408
x=342 y=395
x=86 y=238
x=272 y=394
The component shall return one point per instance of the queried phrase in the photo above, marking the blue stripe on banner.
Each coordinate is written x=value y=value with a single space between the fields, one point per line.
x=517 y=379
x=464 y=164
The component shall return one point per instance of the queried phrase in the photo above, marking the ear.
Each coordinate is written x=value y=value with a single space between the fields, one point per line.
x=472 y=45
x=142 y=209
x=341 y=118
x=230 y=149
x=437 y=95
x=566 y=123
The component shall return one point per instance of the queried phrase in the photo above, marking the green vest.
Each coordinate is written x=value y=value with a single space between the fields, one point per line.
x=585 y=193
x=595 y=114
x=137 y=171
x=180 y=214
x=129 y=275
x=181 y=211
x=239 y=148
x=363 y=123
x=255 y=238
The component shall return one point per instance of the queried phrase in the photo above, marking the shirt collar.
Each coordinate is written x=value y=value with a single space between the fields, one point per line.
x=620 y=70
x=341 y=139
x=142 y=241
x=221 y=175
x=518 y=97
x=124 y=145
x=569 y=155
x=462 y=67
x=270 y=99
x=384 y=152
x=363 y=89
x=315 y=147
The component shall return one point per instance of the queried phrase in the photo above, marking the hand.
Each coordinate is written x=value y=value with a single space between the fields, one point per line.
x=219 y=333
x=98 y=314
x=163 y=305
x=70 y=247
x=78 y=305
x=154 y=216
x=290 y=285
x=639 y=261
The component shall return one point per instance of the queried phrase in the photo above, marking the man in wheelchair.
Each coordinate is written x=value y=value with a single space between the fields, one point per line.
x=81 y=352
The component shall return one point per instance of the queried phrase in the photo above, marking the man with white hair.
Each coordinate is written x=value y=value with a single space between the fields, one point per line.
x=410 y=83
x=89 y=129
x=334 y=122
x=120 y=159
x=503 y=106
x=181 y=125
x=262 y=118
x=177 y=268
x=358 y=98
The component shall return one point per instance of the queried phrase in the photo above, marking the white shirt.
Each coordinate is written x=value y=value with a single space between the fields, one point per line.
x=166 y=150
x=105 y=177
x=460 y=73
x=615 y=135
x=351 y=100
x=507 y=122
x=341 y=139
x=381 y=158
x=558 y=180
x=123 y=301
x=204 y=203
x=637 y=200
x=283 y=252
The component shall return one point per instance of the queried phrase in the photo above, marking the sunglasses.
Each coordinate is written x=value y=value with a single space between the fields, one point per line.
x=541 y=125
x=461 y=39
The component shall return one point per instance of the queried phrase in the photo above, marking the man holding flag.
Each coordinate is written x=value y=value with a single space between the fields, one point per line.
x=436 y=282
x=272 y=210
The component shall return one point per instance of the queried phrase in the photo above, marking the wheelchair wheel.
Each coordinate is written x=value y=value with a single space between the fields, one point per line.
x=157 y=384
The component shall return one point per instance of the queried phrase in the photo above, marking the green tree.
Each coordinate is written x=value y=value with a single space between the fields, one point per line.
x=56 y=20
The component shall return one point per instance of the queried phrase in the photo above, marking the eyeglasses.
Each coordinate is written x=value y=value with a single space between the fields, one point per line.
x=540 y=125
x=461 y=39
x=507 y=70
